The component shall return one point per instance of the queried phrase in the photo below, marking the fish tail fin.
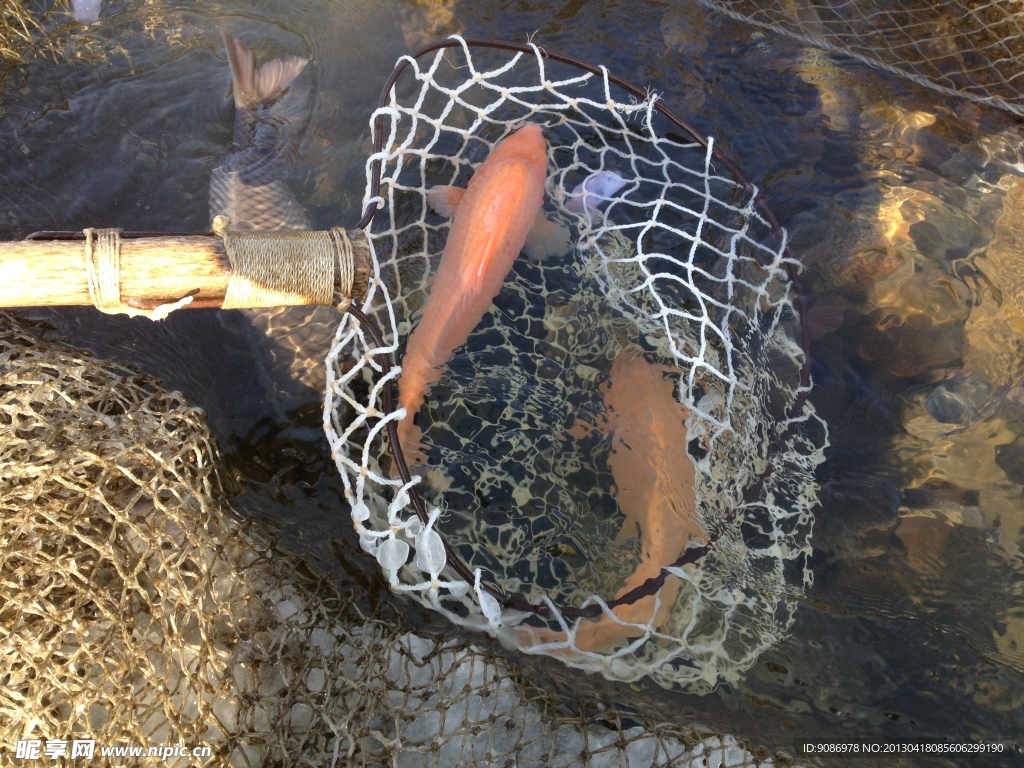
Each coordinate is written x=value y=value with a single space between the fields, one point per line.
x=259 y=85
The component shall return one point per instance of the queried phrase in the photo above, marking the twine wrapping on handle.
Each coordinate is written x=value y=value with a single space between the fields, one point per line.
x=270 y=269
x=103 y=274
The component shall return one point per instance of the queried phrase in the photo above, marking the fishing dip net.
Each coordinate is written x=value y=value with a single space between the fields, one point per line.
x=519 y=523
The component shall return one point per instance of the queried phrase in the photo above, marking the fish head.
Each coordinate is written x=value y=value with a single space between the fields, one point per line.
x=526 y=145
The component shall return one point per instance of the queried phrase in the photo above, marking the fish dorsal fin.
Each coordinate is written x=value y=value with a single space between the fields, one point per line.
x=254 y=86
x=445 y=199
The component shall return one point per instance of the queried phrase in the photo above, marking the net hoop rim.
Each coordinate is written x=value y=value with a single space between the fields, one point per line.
x=693 y=553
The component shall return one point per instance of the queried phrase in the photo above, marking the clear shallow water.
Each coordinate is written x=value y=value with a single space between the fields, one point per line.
x=914 y=626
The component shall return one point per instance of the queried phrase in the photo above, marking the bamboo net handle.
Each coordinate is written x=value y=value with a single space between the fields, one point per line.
x=165 y=271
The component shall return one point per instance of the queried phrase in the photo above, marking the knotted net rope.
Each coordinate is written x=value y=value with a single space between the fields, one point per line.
x=683 y=265
x=138 y=610
x=959 y=47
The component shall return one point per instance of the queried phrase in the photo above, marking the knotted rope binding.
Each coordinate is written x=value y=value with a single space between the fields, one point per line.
x=267 y=269
x=103 y=273
x=270 y=269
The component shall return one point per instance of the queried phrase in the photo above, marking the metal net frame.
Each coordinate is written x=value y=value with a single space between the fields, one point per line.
x=684 y=265
x=959 y=47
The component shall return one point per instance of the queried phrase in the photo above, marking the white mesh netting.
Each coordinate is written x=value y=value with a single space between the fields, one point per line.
x=525 y=433
x=963 y=47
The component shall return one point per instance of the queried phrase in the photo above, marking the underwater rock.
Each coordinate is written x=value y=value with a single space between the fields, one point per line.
x=995 y=329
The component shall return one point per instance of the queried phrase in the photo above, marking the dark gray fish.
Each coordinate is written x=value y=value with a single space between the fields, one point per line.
x=250 y=186
x=250 y=183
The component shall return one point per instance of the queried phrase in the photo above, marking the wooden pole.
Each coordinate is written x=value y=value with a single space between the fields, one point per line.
x=155 y=270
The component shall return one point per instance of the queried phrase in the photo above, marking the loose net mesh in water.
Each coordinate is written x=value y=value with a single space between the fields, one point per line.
x=962 y=47
x=137 y=611
x=518 y=536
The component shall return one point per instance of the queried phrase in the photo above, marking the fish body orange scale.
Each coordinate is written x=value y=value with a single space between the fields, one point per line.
x=655 y=487
x=493 y=217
